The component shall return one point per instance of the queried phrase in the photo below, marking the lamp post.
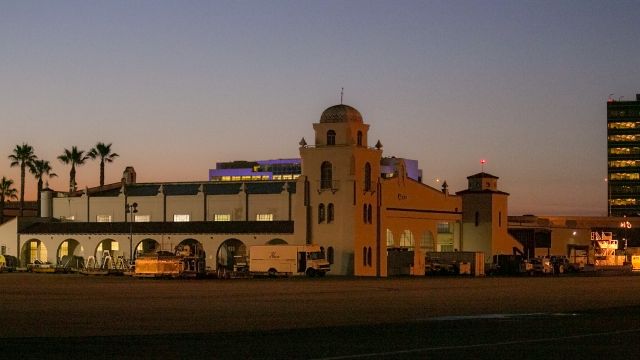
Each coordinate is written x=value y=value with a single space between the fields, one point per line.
x=130 y=209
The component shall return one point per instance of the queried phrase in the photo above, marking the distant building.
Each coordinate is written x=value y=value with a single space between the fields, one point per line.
x=278 y=169
x=623 y=157
x=371 y=214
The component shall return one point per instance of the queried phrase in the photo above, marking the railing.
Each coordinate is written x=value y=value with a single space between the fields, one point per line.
x=327 y=185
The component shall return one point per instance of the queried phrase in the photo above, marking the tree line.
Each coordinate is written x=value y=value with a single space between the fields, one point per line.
x=24 y=156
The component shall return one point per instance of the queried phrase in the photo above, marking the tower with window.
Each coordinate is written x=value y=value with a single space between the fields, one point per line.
x=341 y=172
x=484 y=217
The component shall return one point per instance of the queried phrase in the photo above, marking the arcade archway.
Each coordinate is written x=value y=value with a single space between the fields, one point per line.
x=232 y=255
x=33 y=250
x=146 y=246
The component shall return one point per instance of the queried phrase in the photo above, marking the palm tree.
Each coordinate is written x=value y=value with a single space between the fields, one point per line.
x=102 y=151
x=40 y=169
x=74 y=157
x=6 y=192
x=22 y=156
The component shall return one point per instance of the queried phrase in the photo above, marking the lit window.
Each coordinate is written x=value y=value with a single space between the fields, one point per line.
x=68 y=218
x=444 y=228
x=222 y=217
x=103 y=218
x=264 y=217
x=427 y=243
x=142 y=218
x=406 y=239
x=625 y=176
x=390 y=242
x=181 y=217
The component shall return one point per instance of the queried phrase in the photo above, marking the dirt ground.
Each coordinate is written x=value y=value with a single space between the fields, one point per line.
x=53 y=305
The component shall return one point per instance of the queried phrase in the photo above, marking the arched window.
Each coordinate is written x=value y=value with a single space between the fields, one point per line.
x=364 y=256
x=326 y=174
x=331 y=137
x=330 y=254
x=390 y=242
x=406 y=239
x=321 y=214
x=330 y=213
x=364 y=213
x=477 y=218
x=359 y=138
x=369 y=214
x=369 y=255
x=427 y=244
x=367 y=177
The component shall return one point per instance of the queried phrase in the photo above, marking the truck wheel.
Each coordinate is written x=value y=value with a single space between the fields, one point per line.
x=311 y=272
x=272 y=272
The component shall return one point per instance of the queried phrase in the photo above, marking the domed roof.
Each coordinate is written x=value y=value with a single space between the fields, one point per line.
x=341 y=114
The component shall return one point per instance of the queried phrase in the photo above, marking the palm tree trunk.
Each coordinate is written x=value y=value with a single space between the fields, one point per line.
x=39 y=199
x=72 y=178
x=22 y=176
x=102 y=173
x=1 y=208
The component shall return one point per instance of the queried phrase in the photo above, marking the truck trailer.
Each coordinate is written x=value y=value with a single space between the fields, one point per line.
x=287 y=260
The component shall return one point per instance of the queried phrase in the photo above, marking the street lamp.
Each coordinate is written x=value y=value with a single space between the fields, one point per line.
x=130 y=209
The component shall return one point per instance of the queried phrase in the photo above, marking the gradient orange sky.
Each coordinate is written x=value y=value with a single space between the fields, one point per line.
x=177 y=86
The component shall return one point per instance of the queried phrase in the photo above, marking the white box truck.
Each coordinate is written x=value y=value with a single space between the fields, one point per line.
x=286 y=260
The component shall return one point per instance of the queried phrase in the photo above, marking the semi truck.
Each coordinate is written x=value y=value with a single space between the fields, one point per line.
x=287 y=260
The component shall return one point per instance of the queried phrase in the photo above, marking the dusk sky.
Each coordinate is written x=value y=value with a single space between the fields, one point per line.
x=177 y=86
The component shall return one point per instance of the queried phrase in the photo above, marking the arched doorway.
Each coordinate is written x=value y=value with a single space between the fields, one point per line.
x=232 y=255
x=107 y=248
x=70 y=254
x=193 y=256
x=146 y=246
x=276 y=242
x=33 y=250
x=69 y=247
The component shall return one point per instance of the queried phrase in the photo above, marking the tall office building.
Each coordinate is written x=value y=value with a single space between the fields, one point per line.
x=623 y=157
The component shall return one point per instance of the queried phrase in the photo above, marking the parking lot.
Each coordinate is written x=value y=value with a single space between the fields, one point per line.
x=313 y=318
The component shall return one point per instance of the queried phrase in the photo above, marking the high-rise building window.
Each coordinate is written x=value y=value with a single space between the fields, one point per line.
x=331 y=137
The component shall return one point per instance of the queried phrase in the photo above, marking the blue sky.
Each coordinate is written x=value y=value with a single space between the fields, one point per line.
x=177 y=86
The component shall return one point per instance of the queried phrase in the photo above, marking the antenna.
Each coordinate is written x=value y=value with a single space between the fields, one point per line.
x=341 y=95
x=482 y=162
